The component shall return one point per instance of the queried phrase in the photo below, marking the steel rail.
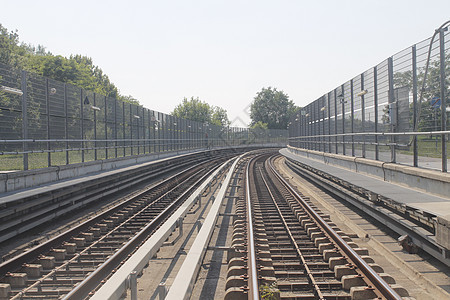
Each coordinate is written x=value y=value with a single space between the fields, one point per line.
x=26 y=257
x=42 y=206
x=400 y=224
x=378 y=282
x=94 y=244
x=83 y=289
x=159 y=187
x=318 y=293
x=116 y=285
x=252 y=267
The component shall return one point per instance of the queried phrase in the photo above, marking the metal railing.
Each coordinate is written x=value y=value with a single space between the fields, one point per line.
x=393 y=112
x=44 y=122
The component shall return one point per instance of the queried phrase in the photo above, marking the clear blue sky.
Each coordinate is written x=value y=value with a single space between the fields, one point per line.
x=225 y=51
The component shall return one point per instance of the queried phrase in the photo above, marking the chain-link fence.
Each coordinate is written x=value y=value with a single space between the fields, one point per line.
x=393 y=112
x=44 y=122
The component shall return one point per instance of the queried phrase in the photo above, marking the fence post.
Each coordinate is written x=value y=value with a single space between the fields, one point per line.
x=95 y=129
x=176 y=127
x=319 y=138
x=316 y=125
x=414 y=83
x=391 y=99
x=352 y=115
x=123 y=130
x=161 y=133
x=66 y=124
x=171 y=128
x=143 y=130
x=375 y=104
x=132 y=278
x=137 y=127
x=131 y=128
x=47 y=111
x=443 y=98
x=329 y=121
x=363 y=117
x=24 y=119
x=115 y=127
x=336 y=150
x=324 y=109
x=82 y=124
x=343 y=119
x=154 y=123
x=149 y=121
x=106 y=129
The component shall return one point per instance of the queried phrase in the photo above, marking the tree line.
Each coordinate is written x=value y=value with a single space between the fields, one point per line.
x=270 y=109
x=77 y=69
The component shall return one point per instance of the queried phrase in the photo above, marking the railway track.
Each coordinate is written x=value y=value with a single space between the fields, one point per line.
x=418 y=226
x=75 y=262
x=290 y=250
x=25 y=211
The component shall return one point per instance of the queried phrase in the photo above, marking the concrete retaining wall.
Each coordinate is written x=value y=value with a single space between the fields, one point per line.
x=13 y=181
x=431 y=181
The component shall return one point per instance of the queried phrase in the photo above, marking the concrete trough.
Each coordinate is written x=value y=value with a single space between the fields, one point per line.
x=116 y=285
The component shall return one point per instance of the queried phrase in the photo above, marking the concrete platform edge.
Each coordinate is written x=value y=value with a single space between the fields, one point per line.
x=430 y=181
x=13 y=181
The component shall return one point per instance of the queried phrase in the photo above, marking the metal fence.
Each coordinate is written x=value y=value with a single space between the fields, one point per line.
x=393 y=112
x=44 y=122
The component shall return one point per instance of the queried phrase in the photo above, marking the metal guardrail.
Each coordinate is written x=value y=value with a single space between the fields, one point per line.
x=371 y=145
x=388 y=108
x=44 y=122
x=161 y=143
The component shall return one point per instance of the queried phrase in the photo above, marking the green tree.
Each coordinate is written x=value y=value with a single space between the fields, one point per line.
x=196 y=110
x=77 y=69
x=10 y=51
x=273 y=108
x=428 y=116
x=129 y=99
x=259 y=125
x=220 y=117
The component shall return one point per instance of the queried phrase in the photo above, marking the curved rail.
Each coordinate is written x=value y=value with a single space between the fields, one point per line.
x=154 y=204
x=93 y=280
x=318 y=293
x=252 y=267
x=17 y=262
x=381 y=285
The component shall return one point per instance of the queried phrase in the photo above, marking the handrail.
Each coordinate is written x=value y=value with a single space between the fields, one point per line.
x=373 y=133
